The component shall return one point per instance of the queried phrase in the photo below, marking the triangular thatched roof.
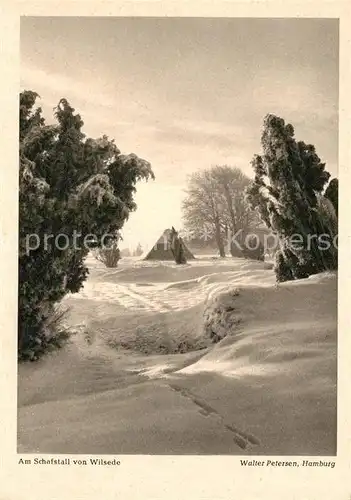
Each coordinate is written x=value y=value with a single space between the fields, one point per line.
x=162 y=250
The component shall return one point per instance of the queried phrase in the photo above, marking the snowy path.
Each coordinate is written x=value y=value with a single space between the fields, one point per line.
x=164 y=297
x=142 y=298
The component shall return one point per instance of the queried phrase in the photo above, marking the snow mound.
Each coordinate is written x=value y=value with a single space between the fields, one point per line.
x=269 y=326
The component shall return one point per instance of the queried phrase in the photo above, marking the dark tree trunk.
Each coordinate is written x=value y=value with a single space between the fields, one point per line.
x=230 y=207
x=219 y=239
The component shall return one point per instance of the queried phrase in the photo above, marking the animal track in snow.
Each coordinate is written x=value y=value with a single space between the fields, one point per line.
x=241 y=438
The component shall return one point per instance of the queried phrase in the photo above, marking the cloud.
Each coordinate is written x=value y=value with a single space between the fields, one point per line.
x=101 y=111
x=94 y=98
x=196 y=138
x=70 y=88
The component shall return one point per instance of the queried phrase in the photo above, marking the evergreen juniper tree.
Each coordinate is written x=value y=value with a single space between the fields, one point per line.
x=288 y=182
x=68 y=184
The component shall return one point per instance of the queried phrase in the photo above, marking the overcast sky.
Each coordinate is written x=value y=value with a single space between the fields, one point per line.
x=186 y=93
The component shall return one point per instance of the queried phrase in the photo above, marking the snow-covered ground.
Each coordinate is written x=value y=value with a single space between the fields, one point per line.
x=142 y=376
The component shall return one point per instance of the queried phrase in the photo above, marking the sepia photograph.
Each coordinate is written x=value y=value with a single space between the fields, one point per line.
x=178 y=238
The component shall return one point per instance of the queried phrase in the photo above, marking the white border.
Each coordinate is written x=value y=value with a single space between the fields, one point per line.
x=151 y=476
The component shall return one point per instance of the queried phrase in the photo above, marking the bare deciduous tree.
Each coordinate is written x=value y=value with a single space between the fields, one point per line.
x=215 y=205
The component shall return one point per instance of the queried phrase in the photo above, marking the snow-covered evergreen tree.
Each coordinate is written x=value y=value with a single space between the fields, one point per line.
x=68 y=184
x=286 y=191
